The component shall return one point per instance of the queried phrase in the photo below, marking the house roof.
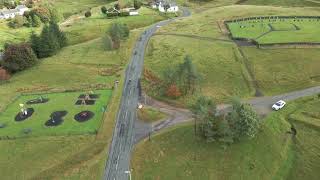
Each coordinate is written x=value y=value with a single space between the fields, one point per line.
x=8 y=11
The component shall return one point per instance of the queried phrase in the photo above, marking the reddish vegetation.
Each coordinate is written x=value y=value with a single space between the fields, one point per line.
x=149 y=76
x=173 y=91
x=4 y=75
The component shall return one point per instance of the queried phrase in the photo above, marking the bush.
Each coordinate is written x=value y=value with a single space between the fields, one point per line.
x=18 y=57
x=124 y=13
x=17 y=22
x=107 y=43
x=104 y=10
x=87 y=14
x=112 y=14
x=173 y=91
x=137 y=4
x=117 y=6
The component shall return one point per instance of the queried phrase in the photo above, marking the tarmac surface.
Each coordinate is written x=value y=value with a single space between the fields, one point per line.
x=123 y=136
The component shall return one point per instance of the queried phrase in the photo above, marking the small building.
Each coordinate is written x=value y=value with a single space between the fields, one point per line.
x=133 y=13
x=171 y=7
x=11 y=13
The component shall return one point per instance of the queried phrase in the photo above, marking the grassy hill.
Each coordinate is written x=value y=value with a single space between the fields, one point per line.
x=310 y=3
x=274 y=154
x=224 y=70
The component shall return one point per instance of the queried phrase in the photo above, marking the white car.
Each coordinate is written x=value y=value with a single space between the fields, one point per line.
x=278 y=105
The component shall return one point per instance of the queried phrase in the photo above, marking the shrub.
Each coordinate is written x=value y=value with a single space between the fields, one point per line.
x=4 y=74
x=137 y=4
x=117 y=6
x=124 y=13
x=107 y=43
x=173 y=91
x=17 y=22
x=104 y=10
x=42 y=12
x=87 y=14
x=112 y=14
x=18 y=57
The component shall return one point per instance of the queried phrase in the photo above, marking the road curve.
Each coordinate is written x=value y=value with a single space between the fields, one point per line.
x=123 y=135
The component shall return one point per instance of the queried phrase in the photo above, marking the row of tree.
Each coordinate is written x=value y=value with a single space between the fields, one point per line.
x=181 y=79
x=18 y=57
x=242 y=121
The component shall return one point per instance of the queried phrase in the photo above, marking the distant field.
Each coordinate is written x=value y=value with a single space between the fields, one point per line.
x=300 y=30
x=42 y=112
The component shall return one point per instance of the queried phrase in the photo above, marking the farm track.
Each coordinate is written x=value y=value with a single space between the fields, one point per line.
x=195 y=37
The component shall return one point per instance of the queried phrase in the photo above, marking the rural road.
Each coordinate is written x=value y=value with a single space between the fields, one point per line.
x=123 y=135
x=262 y=105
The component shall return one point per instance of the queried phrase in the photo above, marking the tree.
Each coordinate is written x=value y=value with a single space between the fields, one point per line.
x=18 y=57
x=118 y=32
x=104 y=10
x=189 y=77
x=42 y=12
x=137 y=4
x=61 y=37
x=166 y=6
x=117 y=6
x=55 y=15
x=87 y=14
x=243 y=119
x=204 y=110
x=35 y=21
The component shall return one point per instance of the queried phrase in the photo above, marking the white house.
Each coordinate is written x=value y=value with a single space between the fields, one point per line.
x=11 y=13
x=172 y=7
x=133 y=13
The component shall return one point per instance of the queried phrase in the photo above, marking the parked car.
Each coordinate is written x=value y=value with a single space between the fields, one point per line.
x=278 y=105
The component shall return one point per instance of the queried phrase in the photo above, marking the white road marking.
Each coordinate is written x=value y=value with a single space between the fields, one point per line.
x=126 y=114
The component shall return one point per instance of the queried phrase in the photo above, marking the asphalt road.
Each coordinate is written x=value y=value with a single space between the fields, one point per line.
x=123 y=136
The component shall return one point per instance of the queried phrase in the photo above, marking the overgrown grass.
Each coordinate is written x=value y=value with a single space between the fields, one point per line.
x=310 y=3
x=284 y=70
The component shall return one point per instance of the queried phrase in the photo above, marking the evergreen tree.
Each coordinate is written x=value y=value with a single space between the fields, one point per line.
x=137 y=4
x=189 y=77
x=49 y=44
x=36 y=21
x=61 y=37
x=35 y=43
x=55 y=15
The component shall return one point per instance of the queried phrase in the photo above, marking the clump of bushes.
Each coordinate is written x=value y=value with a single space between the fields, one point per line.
x=18 y=57
x=116 y=33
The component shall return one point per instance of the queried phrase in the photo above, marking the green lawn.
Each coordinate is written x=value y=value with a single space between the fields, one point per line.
x=149 y=115
x=283 y=70
x=278 y=31
x=274 y=154
x=57 y=102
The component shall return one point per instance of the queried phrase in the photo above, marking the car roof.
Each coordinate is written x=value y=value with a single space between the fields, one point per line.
x=281 y=101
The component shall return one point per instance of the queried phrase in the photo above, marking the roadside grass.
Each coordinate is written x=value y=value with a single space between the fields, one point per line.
x=284 y=30
x=283 y=70
x=177 y=154
x=149 y=115
x=57 y=102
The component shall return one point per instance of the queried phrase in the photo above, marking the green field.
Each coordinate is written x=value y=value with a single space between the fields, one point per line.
x=300 y=30
x=57 y=102
x=284 y=70
x=177 y=154
x=302 y=3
